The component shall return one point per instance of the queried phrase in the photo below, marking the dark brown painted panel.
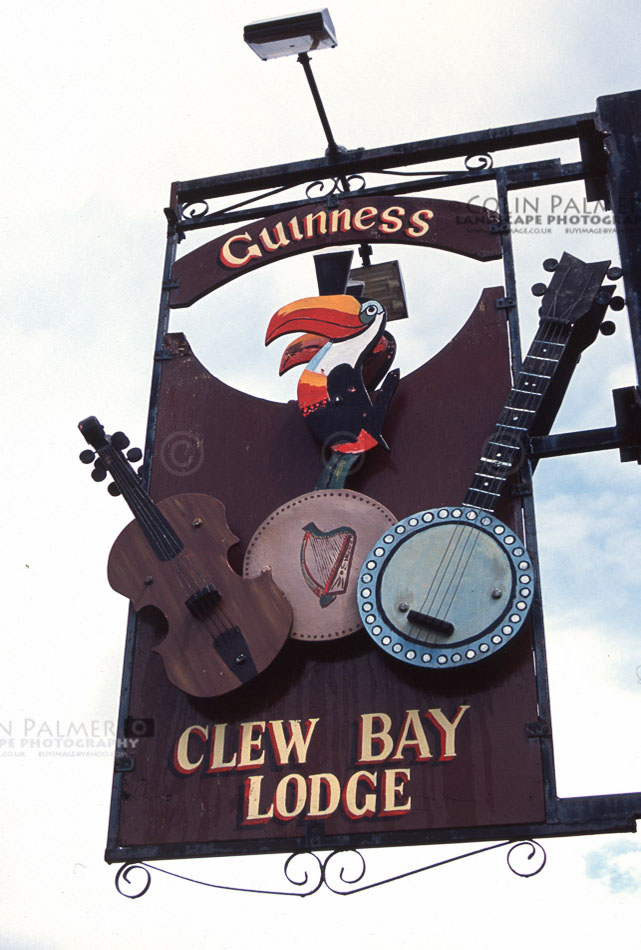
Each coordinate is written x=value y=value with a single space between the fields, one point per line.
x=428 y=222
x=255 y=455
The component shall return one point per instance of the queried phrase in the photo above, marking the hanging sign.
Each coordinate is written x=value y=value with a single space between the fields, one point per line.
x=422 y=222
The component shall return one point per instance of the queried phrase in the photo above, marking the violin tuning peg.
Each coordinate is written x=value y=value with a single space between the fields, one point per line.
x=614 y=273
x=550 y=264
x=120 y=441
x=113 y=489
x=539 y=289
x=87 y=456
x=617 y=303
x=134 y=455
x=98 y=474
x=607 y=328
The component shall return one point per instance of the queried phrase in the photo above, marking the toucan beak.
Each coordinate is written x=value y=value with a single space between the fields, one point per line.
x=335 y=317
x=301 y=350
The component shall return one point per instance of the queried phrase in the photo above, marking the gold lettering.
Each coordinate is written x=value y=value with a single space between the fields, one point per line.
x=368 y=737
x=389 y=222
x=340 y=220
x=280 y=239
x=252 y=812
x=412 y=723
x=364 y=218
x=182 y=762
x=296 y=743
x=352 y=808
x=332 y=787
x=295 y=230
x=247 y=744
x=421 y=227
x=309 y=222
x=300 y=796
x=217 y=754
x=447 y=730
x=229 y=259
x=392 y=787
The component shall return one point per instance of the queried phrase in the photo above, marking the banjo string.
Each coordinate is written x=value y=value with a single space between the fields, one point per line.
x=460 y=533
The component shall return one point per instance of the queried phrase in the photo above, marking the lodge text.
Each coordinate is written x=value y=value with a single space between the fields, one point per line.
x=379 y=779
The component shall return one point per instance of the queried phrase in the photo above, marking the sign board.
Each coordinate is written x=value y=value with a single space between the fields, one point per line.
x=335 y=742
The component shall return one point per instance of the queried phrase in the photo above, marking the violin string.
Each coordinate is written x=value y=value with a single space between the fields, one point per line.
x=153 y=523
x=147 y=513
x=463 y=532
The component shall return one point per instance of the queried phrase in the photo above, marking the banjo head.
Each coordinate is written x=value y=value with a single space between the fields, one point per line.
x=314 y=546
x=445 y=587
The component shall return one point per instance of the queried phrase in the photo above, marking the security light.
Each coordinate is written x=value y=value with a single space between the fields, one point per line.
x=291 y=35
x=297 y=35
x=383 y=282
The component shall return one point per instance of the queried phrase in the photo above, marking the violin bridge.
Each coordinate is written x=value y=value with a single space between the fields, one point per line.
x=203 y=601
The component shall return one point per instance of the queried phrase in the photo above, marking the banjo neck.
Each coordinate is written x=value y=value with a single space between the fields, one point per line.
x=507 y=446
x=571 y=299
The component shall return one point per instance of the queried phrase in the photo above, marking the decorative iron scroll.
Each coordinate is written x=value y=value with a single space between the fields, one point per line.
x=326 y=188
x=478 y=162
x=200 y=209
x=194 y=211
x=341 y=871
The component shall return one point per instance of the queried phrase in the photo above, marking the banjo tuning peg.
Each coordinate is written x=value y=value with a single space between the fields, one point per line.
x=614 y=273
x=87 y=456
x=617 y=303
x=539 y=289
x=550 y=264
x=113 y=489
x=607 y=328
x=134 y=455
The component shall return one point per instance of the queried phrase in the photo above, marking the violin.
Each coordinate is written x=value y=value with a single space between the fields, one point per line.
x=223 y=630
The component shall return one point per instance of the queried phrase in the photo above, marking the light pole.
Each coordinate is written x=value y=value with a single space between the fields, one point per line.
x=297 y=35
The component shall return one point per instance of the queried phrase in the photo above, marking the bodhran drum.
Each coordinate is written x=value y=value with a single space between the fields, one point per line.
x=315 y=545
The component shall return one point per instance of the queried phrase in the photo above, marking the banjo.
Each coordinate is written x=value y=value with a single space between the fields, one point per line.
x=449 y=586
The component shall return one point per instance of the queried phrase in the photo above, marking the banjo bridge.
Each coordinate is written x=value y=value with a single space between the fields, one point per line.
x=425 y=620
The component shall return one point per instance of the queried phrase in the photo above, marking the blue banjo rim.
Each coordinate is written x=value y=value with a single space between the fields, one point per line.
x=463 y=653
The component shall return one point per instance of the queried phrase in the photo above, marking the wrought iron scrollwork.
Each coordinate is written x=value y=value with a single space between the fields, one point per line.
x=124 y=874
x=296 y=872
x=342 y=871
x=194 y=210
x=479 y=162
x=536 y=854
x=325 y=188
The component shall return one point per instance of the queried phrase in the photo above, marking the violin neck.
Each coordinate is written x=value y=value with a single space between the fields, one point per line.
x=162 y=538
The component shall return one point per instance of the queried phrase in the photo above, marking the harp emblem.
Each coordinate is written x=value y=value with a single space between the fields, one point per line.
x=326 y=559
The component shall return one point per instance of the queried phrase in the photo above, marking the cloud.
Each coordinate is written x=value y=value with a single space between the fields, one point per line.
x=609 y=865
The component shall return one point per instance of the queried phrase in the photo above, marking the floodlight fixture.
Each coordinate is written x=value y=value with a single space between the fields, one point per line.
x=383 y=282
x=291 y=35
x=297 y=35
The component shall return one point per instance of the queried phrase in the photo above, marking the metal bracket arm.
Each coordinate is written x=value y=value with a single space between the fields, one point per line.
x=624 y=436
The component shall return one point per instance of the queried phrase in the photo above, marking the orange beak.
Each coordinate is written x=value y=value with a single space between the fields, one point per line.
x=301 y=350
x=335 y=317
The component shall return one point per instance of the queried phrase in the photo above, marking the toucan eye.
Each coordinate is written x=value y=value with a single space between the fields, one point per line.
x=370 y=311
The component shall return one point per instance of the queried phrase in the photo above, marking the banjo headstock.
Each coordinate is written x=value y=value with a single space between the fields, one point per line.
x=575 y=287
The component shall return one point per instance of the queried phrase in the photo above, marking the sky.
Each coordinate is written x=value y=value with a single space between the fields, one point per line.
x=104 y=106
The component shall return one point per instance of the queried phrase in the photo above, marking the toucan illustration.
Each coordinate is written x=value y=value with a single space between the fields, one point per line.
x=347 y=352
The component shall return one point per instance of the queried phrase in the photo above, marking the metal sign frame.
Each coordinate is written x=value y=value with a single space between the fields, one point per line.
x=610 y=167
